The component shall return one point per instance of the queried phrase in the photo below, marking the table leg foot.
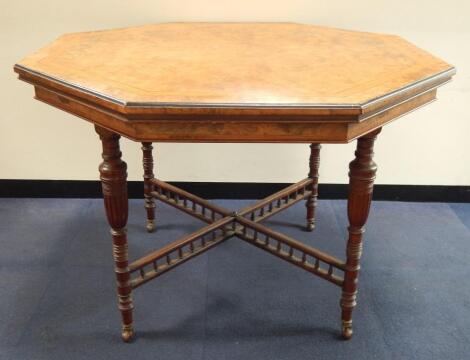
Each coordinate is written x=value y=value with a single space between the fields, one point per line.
x=310 y=225
x=347 y=330
x=127 y=333
x=150 y=225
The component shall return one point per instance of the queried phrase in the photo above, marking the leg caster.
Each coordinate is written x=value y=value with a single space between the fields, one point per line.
x=150 y=225
x=347 y=330
x=311 y=203
x=310 y=226
x=127 y=333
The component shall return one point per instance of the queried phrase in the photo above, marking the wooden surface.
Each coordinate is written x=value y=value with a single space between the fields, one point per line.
x=311 y=204
x=234 y=64
x=235 y=82
x=362 y=172
x=113 y=175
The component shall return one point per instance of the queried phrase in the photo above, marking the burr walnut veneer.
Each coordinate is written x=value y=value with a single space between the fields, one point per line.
x=234 y=82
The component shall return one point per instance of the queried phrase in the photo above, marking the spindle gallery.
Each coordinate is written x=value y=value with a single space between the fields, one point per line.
x=228 y=83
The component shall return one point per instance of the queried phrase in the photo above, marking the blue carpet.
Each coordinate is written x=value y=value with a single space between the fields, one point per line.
x=235 y=301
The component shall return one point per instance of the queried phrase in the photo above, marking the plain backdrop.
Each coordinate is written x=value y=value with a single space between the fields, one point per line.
x=429 y=146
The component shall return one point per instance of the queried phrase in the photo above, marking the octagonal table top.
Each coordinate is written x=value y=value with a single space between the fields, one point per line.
x=236 y=66
x=235 y=82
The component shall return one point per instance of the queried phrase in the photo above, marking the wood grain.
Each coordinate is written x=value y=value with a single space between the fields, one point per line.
x=197 y=67
x=311 y=204
x=259 y=129
x=113 y=175
x=362 y=172
x=147 y=162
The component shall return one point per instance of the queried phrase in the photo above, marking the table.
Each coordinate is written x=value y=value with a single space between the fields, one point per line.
x=234 y=82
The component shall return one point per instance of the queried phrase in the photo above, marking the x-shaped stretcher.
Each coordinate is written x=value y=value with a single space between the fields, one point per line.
x=224 y=224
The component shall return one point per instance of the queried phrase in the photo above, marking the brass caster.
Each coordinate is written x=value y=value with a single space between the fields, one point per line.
x=127 y=333
x=310 y=226
x=150 y=225
x=347 y=330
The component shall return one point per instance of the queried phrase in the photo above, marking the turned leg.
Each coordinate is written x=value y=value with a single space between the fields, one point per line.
x=313 y=174
x=148 y=186
x=113 y=174
x=361 y=181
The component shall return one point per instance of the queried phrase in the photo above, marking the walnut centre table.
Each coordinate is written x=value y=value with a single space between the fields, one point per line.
x=234 y=82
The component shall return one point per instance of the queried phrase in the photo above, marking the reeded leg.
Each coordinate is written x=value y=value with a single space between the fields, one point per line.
x=361 y=181
x=313 y=174
x=113 y=173
x=148 y=186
